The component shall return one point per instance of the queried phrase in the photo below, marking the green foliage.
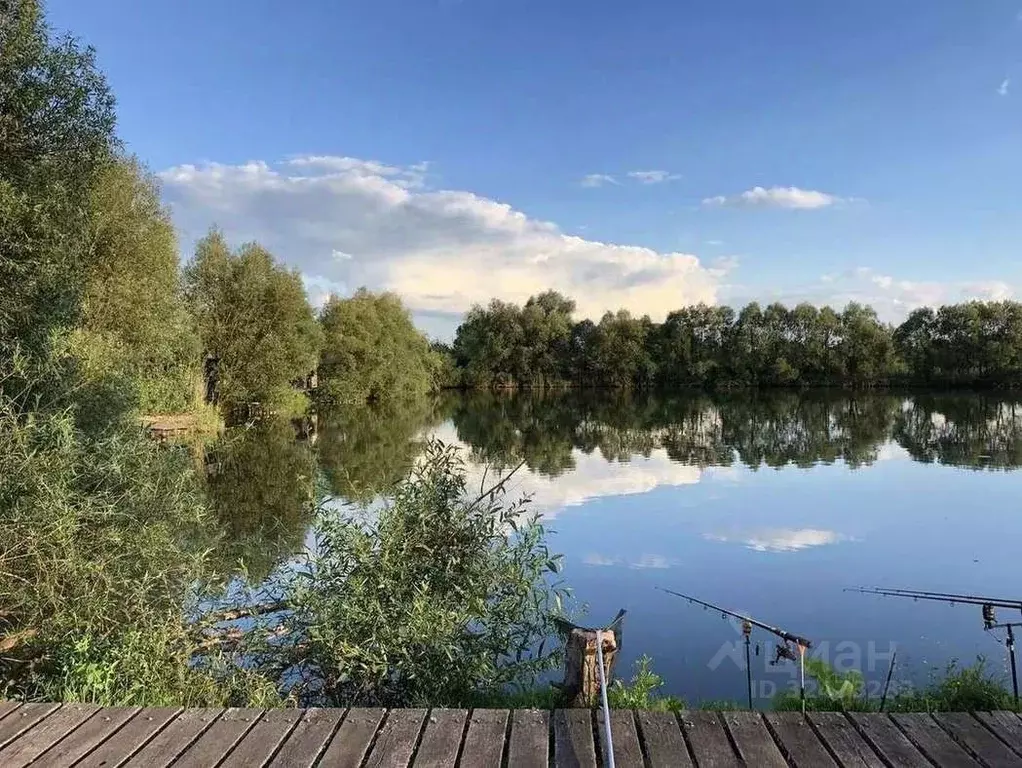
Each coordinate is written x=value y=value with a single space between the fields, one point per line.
x=254 y=320
x=434 y=598
x=91 y=551
x=372 y=351
x=133 y=307
x=827 y=689
x=56 y=130
x=504 y=345
x=641 y=691
x=961 y=689
x=446 y=374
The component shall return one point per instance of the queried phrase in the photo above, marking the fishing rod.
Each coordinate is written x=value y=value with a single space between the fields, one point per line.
x=943 y=597
x=988 y=605
x=781 y=651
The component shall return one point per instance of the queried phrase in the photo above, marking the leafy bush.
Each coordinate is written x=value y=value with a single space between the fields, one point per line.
x=641 y=691
x=96 y=571
x=435 y=598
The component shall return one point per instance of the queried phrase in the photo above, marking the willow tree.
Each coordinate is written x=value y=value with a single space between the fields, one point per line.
x=56 y=132
x=372 y=350
x=254 y=319
x=134 y=319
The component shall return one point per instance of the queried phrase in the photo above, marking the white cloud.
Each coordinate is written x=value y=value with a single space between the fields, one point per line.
x=653 y=177
x=775 y=197
x=597 y=180
x=892 y=297
x=441 y=250
x=779 y=539
x=1003 y=89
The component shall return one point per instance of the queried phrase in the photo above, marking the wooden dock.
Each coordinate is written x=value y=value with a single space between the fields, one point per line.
x=85 y=735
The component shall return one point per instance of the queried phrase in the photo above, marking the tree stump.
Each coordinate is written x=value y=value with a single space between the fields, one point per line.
x=581 y=686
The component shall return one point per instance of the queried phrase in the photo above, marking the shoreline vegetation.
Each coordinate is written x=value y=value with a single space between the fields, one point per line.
x=115 y=550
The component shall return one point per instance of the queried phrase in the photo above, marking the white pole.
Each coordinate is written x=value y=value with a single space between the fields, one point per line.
x=609 y=756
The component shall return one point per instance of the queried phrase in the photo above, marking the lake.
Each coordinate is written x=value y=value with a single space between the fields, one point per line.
x=768 y=504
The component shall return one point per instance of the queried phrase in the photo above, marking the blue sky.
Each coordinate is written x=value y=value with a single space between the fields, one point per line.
x=643 y=155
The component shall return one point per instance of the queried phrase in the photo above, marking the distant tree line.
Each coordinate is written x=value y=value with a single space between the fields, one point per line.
x=540 y=344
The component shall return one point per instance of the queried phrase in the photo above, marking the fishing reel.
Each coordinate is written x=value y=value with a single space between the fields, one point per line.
x=783 y=651
x=989 y=619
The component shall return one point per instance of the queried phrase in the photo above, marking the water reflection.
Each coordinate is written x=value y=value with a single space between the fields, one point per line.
x=364 y=450
x=770 y=502
x=758 y=430
x=260 y=486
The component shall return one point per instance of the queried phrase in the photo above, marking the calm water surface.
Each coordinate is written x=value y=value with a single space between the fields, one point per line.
x=770 y=505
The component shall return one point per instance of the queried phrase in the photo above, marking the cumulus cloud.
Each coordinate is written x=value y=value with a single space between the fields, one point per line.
x=779 y=539
x=597 y=180
x=354 y=222
x=775 y=197
x=1003 y=89
x=653 y=177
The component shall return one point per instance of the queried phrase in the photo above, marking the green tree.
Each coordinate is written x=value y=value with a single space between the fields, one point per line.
x=254 y=320
x=546 y=336
x=867 y=347
x=488 y=345
x=134 y=318
x=56 y=131
x=372 y=351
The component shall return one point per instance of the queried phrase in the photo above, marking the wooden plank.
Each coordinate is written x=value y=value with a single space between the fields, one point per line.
x=349 y=745
x=395 y=743
x=755 y=743
x=932 y=741
x=262 y=740
x=164 y=748
x=977 y=740
x=46 y=734
x=441 y=740
x=219 y=739
x=22 y=719
x=798 y=741
x=890 y=743
x=6 y=707
x=664 y=742
x=708 y=740
x=308 y=739
x=129 y=738
x=529 y=745
x=844 y=740
x=625 y=735
x=484 y=741
x=87 y=737
x=573 y=739
x=1007 y=726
